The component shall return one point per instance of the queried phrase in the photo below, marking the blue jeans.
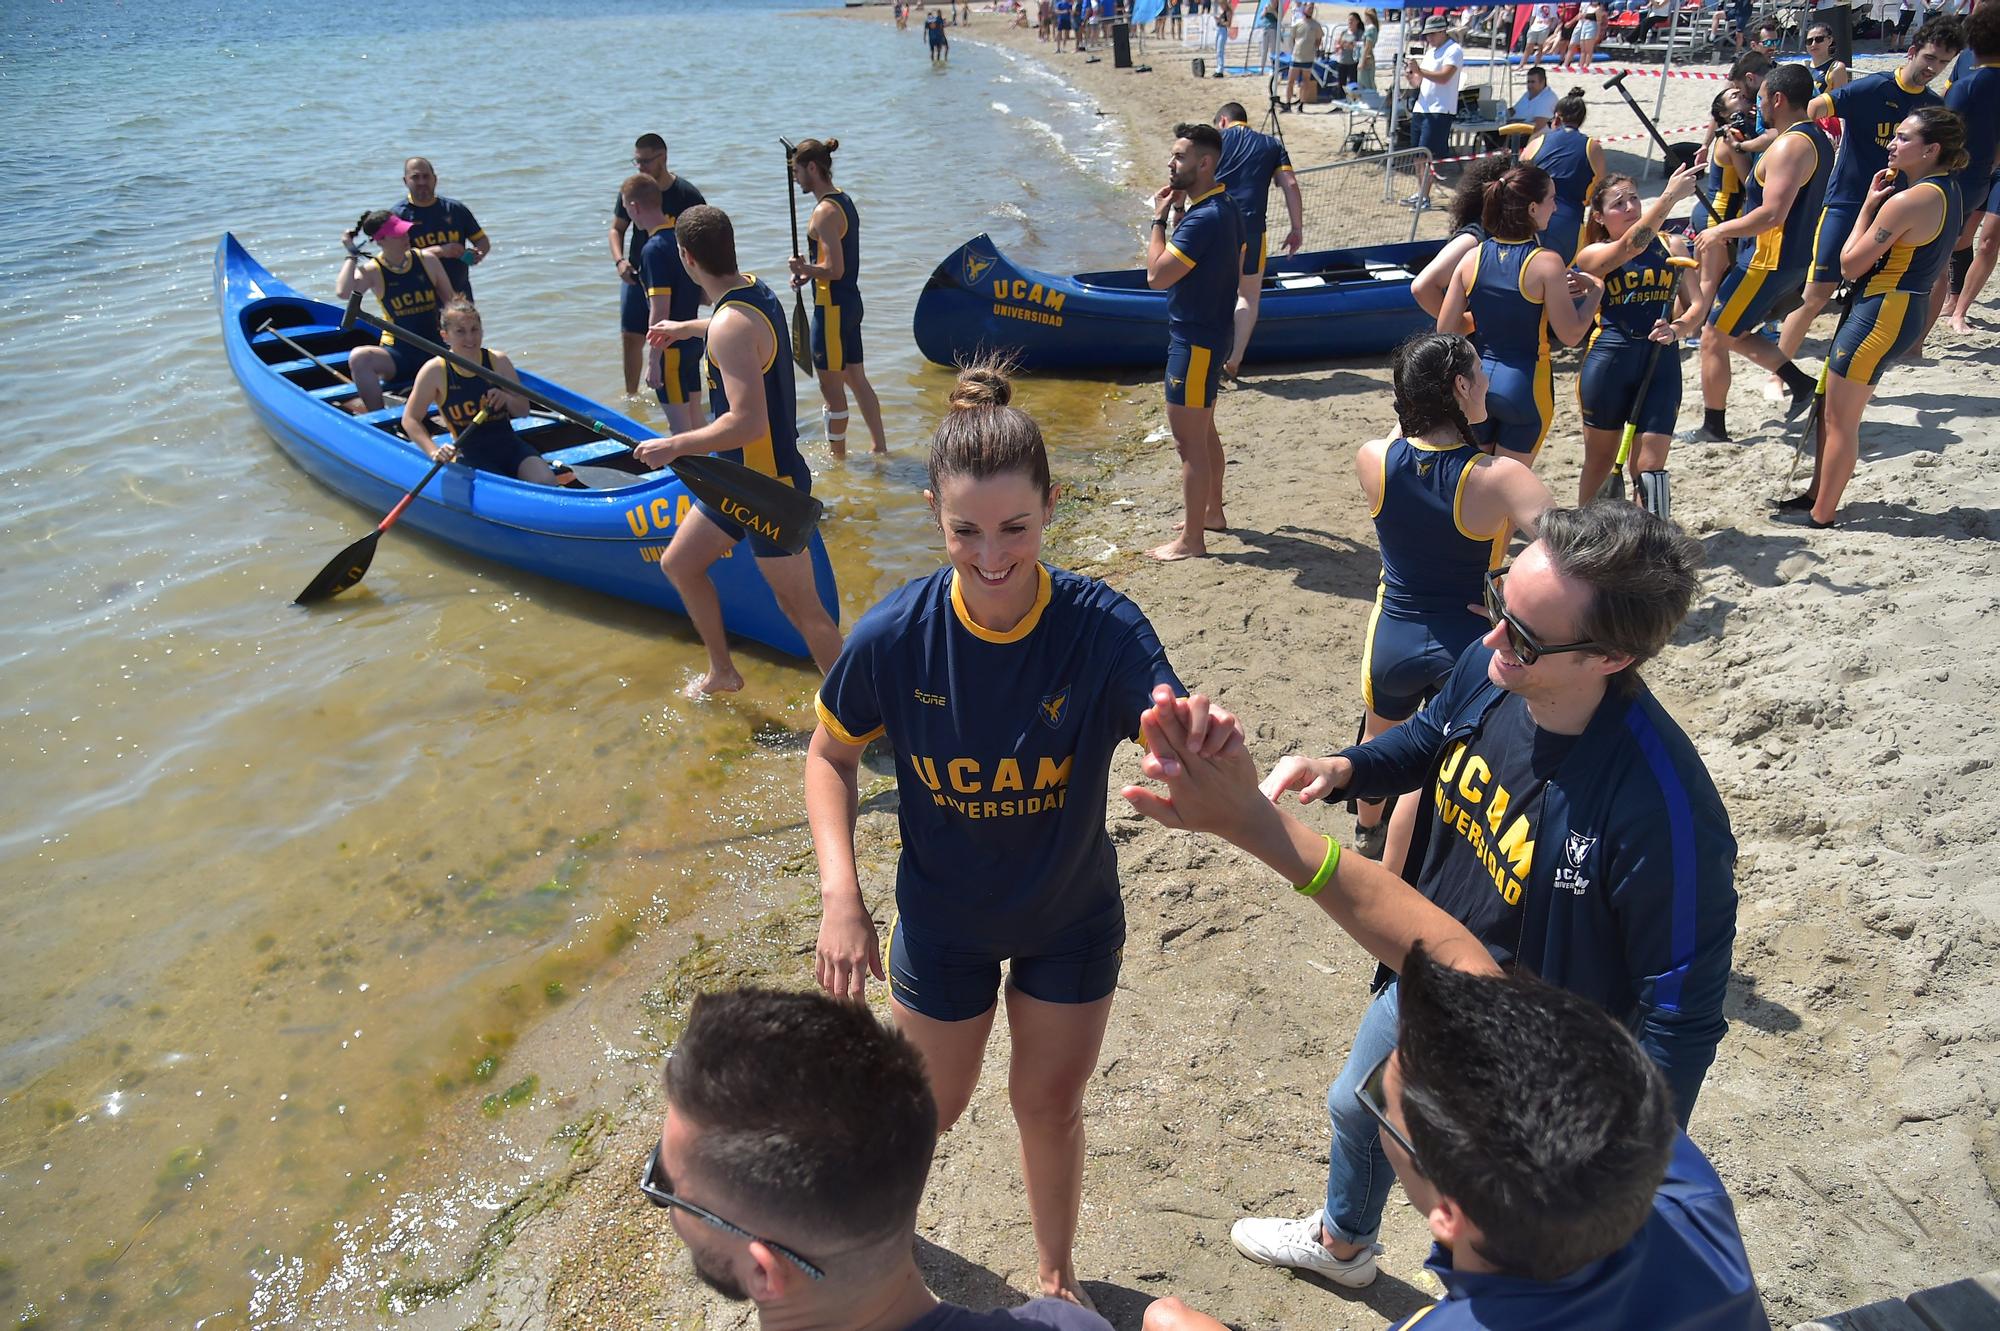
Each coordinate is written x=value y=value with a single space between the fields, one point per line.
x=1432 y=130
x=1358 y=1173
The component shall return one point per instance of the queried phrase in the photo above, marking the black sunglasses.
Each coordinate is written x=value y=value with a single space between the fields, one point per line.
x=1519 y=640
x=659 y=1190
x=1816 y=41
x=1374 y=1097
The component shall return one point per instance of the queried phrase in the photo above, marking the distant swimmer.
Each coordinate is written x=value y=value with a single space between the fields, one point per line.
x=833 y=237
x=1510 y=294
x=755 y=405
x=1440 y=506
x=1002 y=688
x=1626 y=248
x=649 y=157
x=1575 y=163
x=444 y=227
x=459 y=396
x=671 y=295
x=1900 y=245
x=1781 y=205
x=412 y=289
x=940 y=45
x=1198 y=268
x=1869 y=108
x=1251 y=161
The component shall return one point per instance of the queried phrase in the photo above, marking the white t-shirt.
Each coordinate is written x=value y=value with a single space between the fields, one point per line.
x=1536 y=106
x=1543 y=18
x=1440 y=98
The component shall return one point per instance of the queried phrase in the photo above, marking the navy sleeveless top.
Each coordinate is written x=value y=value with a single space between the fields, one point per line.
x=777 y=452
x=848 y=288
x=1507 y=325
x=1430 y=563
x=1790 y=245
x=1912 y=265
x=462 y=396
x=1563 y=155
x=1635 y=296
x=409 y=299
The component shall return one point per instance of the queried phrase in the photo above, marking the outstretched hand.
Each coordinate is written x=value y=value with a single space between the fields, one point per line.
x=1197 y=749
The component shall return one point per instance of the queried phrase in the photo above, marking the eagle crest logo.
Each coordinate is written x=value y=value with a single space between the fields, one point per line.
x=976 y=266
x=1051 y=708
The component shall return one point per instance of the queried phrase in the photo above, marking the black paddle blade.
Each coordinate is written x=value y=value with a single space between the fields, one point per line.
x=763 y=504
x=801 y=335
x=348 y=567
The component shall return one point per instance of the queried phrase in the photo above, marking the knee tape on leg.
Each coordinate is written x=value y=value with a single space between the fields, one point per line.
x=1653 y=494
x=836 y=426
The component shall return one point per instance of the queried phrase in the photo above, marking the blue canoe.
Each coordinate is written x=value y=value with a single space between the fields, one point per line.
x=1318 y=306
x=606 y=540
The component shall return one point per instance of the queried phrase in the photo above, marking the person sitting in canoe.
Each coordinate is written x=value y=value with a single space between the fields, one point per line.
x=459 y=397
x=411 y=287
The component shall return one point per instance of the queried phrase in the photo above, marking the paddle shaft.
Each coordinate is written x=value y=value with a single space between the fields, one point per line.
x=1646 y=378
x=438 y=463
x=1816 y=414
x=801 y=354
x=266 y=327
x=1618 y=81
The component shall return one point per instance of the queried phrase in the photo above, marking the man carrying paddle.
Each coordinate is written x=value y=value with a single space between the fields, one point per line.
x=443 y=228
x=674 y=373
x=833 y=234
x=1198 y=269
x=1250 y=161
x=755 y=404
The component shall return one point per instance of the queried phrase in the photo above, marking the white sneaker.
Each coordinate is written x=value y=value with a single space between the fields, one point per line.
x=1275 y=1241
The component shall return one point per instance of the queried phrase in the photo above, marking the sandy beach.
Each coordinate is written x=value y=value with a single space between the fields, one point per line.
x=1839 y=685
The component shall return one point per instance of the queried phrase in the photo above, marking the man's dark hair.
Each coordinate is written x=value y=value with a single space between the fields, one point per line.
x=1640 y=570
x=1750 y=62
x=1945 y=33
x=1534 y=1111
x=1792 y=82
x=706 y=233
x=1232 y=111
x=1206 y=138
x=805 y=1108
x=1982 y=32
x=651 y=143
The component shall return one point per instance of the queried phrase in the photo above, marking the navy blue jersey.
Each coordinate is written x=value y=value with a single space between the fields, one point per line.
x=1430 y=563
x=848 y=287
x=1250 y=161
x=1003 y=746
x=443 y=221
x=1789 y=245
x=409 y=298
x=1565 y=154
x=661 y=273
x=1725 y=191
x=1975 y=95
x=675 y=199
x=1913 y=263
x=1201 y=307
x=1870 y=109
x=1635 y=296
x=776 y=452
x=1508 y=325
x=464 y=395
x=1686 y=1267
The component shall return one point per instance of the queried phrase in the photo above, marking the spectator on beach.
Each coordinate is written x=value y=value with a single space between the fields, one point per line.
x=443 y=228
x=1435 y=77
x=1371 y=33
x=1065 y=23
x=1540 y=36
x=1267 y=32
x=1584 y=36
x=1306 y=36
x=1045 y=18
x=1347 y=52
x=1538 y=1142
x=1764 y=40
x=1251 y=161
x=939 y=44
x=1562 y=816
x=1002 y=688
x=1536 y=106
x=1225 y=14
x=1657 y=14
x=1199 y=267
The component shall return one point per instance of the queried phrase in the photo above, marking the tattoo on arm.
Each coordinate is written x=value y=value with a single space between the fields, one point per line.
x=1639 y=237
x=1883 y=235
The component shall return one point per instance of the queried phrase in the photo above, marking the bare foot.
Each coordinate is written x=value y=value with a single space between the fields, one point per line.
x=1068 y=1288
x=1215 y=523
x=880 y=448
x=1960 y=324
x=715 y=681
x=1177 y=549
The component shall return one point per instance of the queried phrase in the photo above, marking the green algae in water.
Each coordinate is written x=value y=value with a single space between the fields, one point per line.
x=519 y=1093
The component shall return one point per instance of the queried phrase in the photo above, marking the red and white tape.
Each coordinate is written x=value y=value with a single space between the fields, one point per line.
x=1607 y=138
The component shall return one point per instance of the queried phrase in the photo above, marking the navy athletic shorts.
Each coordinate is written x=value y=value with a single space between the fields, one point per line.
x=957 y=982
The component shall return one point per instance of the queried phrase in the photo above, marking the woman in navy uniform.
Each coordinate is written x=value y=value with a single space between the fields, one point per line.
x=1510 y=293
x=1575 y=163
x=1900 y=244
x=1002 y=687
x=1441 y=508
x=411 y=287
x=460 y=396
x=1626 y=248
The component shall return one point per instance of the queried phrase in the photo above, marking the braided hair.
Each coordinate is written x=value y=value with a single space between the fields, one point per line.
x=1423 y=369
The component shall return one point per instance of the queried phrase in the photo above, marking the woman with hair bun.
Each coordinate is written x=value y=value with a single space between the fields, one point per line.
x=1003 y=687
x=1575 y=163
x=1900 y=244
x=1442 y=507
x=1509 y=294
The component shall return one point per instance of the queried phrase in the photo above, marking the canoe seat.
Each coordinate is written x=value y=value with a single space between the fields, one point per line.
x=333 y=359
x=298 y=333
x=582 y=455
x=333 y=392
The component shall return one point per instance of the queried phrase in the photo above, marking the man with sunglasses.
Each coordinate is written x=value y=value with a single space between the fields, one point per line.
x=1538 y=1141
x=798 y=1138
x=1563 y=818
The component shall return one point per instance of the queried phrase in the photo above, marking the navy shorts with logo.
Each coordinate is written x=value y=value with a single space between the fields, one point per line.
x=1836 y=222
x=1192 y=374
x=500 y=451
x=836 y=335
x=957 y=982
x=680 y=373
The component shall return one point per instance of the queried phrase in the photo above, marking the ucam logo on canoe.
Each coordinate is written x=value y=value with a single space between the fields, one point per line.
x=1036 y=303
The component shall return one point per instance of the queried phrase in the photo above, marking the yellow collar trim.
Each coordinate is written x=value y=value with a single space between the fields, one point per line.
x=1200 y=197
x=1044 y=588
x=1906 y=87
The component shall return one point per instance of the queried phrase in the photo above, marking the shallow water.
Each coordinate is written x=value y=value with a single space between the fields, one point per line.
x=283 y=887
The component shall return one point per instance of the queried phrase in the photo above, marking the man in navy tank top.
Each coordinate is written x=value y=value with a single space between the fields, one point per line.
x=754 y=405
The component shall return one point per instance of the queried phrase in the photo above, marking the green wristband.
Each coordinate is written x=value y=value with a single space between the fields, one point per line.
x=1326 y=870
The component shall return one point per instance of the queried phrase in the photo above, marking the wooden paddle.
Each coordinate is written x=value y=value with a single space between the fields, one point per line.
x=774 y=510
x=351 y=565
x=801 y=332
x=1614 y=484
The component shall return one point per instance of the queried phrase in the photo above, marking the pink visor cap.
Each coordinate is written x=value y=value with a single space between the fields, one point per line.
x=392 y=228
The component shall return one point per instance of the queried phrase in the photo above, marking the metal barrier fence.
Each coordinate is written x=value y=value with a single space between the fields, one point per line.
x=1348 y=204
